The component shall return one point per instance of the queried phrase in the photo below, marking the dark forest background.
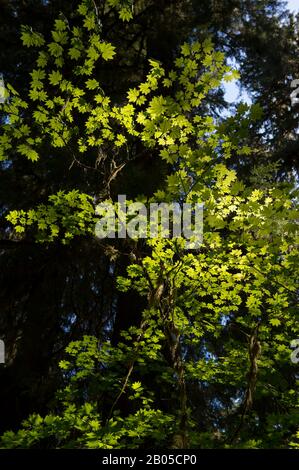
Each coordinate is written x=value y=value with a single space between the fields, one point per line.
x=53 y=294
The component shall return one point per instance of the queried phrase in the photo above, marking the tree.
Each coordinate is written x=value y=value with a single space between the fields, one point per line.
x=206 y=358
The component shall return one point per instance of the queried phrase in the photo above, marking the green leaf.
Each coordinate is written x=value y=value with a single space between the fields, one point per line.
x=28 y=152
x=56 y=50
x=31 y=38
x=55 y=77
x=92 y=84
x=74 y=53
x=275 y=322
x=107 y=51
x=136 y=386
x=60 y=25
x=157 y=106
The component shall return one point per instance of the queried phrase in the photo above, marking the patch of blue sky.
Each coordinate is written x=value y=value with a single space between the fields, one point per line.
x=233 y=92
x=293 y=5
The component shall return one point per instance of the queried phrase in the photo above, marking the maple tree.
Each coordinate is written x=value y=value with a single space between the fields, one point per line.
x=207 y=363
